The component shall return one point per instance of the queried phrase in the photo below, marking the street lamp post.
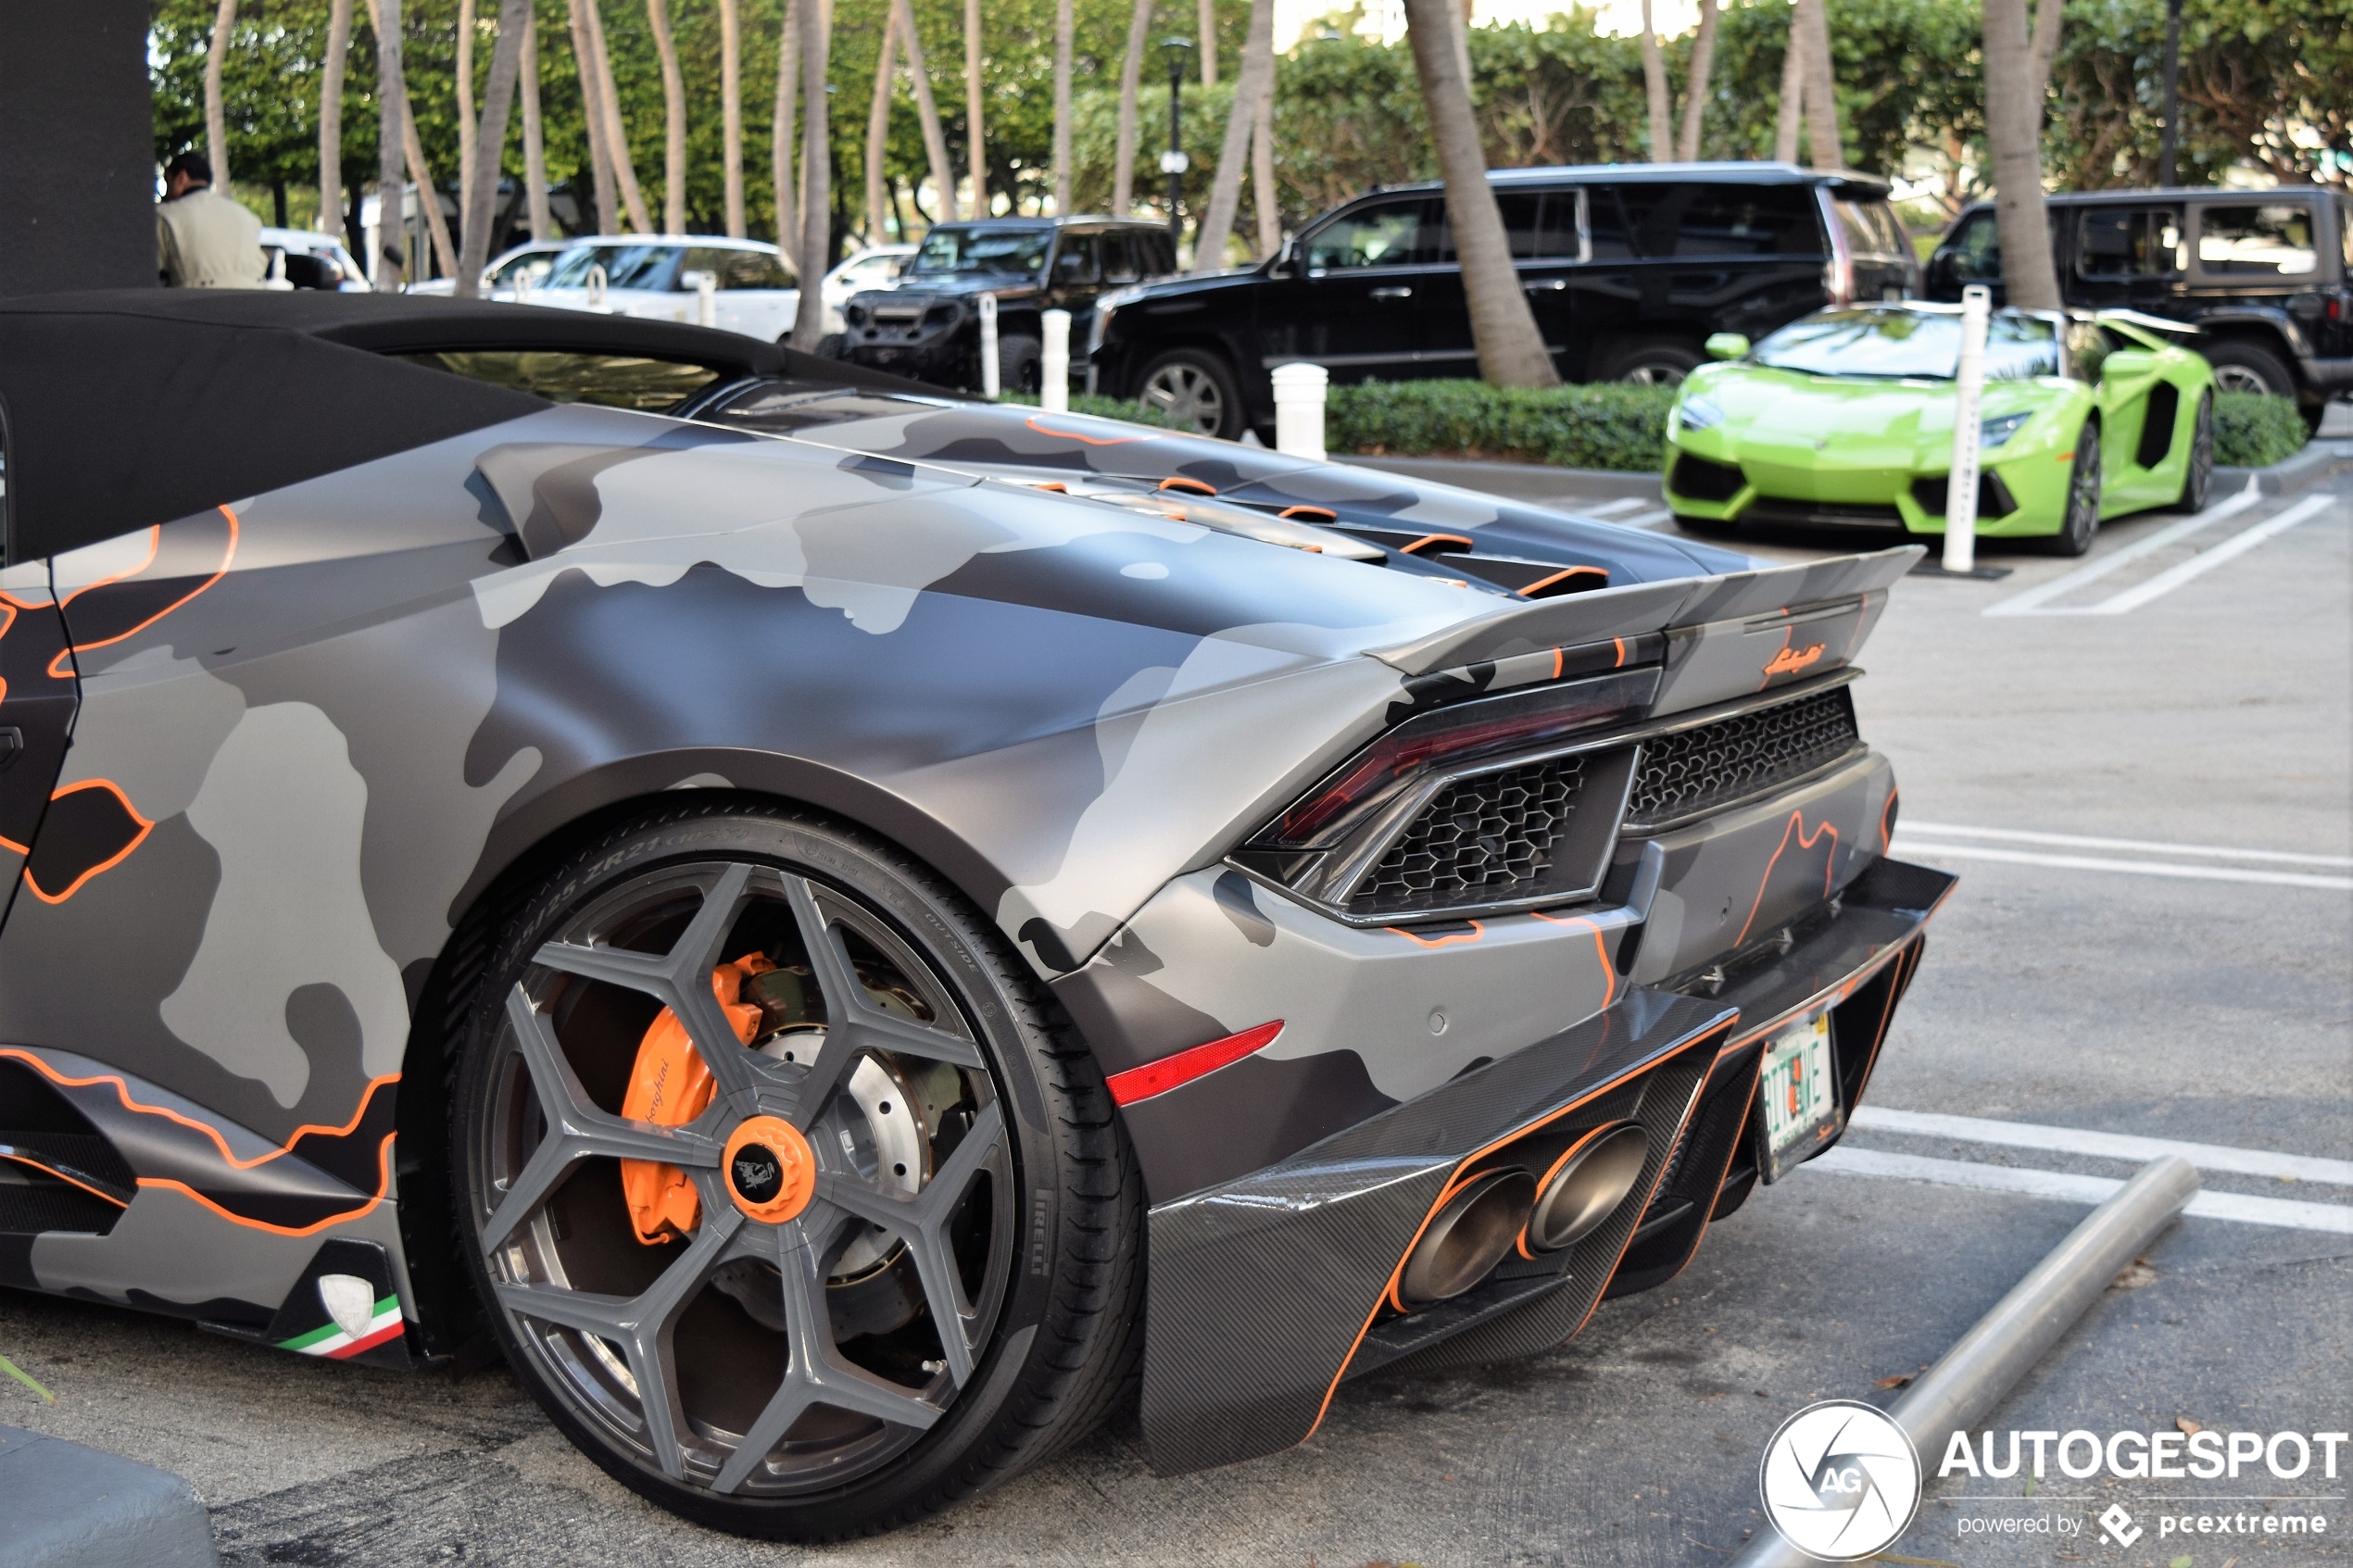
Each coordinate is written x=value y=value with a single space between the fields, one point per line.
x=1173 y=162
x=2172 y=142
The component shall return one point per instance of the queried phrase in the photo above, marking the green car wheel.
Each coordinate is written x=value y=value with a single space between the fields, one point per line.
x=2080 y=522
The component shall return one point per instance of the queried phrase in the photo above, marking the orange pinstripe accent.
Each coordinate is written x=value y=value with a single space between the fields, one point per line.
x=1600 y=949
x=9 y=619
x=1464 y=540
x=1796 y=824
x=1454 y=1183
x=28 y=1159
x=1620 y=643
x=1178 y=482
x=1886 y=833
x=1324 y=513
x=10 y=844
x=1543 y=583
x=154 y=543
x=1559 y=658
x=1054 y=484
x=1519 y=1243
x=107 y=864
x=1476 y=931
x=1089 y=440
x=383 y=1187
x=123 y=1092
x=72 y=647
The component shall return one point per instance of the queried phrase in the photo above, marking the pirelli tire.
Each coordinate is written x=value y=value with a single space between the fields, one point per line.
x=1024 y=1222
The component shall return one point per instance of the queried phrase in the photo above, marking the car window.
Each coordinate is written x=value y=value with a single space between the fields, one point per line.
x=1157 y=255
x=626 y=267
x=1019 y=252
x=2344 y=218
x=2088 y=347
x=736 y=269
x=1870 y=229
x=1606 y=225
x=1119 y=259
x=1541 y=226
x=1075 y=260
x=311 y=271
x=873 y=273
x=612 y=381
x=532 y=264
x=1898 y=341
x=1975 y=250
x=2274 y=239
x=1385 y=234
x=1680 y=219
x=2128 y=242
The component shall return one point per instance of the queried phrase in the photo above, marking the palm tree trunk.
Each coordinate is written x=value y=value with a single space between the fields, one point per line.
x=878 y=134
x=331 y=75
x=976 y=141
x=490 y=145
x=784 y=190
x=673 y=120
x=816 y=173
x=730 y=92
x=2047 y=16
x=624 y=171
x=1131 y=71
x=464 y=76
x=1233 y=154
x=1209 y=43
x=1654 y=86
x=943 y=172
x=1793 y=105
x=216 y=115
x=607 y=218
x=1821 y=93
x=1511 y=351
x=2014 y=131
x=1065 y=42
x=392 y=222
x=1262 y=170
x=385 y=15
x=1695 y=88
x=534 y=135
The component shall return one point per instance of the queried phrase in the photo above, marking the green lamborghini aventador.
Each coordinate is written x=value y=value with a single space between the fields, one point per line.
x=1844 y=419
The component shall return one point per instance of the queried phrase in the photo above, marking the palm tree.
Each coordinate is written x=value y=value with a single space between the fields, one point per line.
x=816 y=173
x=780 y=147
x=1695 y=90
x=673 y=120
x=625 y=172
x=1233 y=154
x=1209 y=43
x=392 y=222
x=1791 y=112
x=1654 y=86
x=490 y=145
x=1065 y=27
x=331 y=74
x=592 y=109
x=384 y=16
x=1511 y=351
x=878 y=135
x=215 y=117
x=1131 y=70
x=974 y=141
x=943 y=172
x=535 y=135
x=731 y=90
x=1821 y=95
x=1261 y=169
x=2013 y=132
x=466 y=127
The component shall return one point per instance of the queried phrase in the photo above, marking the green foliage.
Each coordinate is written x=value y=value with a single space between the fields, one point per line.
x=1130 y=409
x=2254 y=429
x=1600 y=426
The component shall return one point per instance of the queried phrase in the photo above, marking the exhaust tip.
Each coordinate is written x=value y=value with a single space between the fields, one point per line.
x=1591 y=1180
x=1468 y=1237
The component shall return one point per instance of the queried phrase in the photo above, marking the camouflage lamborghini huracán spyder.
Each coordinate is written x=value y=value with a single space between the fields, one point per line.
x=814 y=911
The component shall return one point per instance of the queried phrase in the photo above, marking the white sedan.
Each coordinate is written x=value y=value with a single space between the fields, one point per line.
x=754 y=291
x=876 y=267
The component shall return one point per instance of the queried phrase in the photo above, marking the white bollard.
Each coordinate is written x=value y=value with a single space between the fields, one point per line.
x=1053 y=361
x=1299 y=409
x=988 y=387
x=1969 y=385
x=706 y=299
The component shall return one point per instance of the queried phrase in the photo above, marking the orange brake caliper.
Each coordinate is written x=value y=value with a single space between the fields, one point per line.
x=670 y=1086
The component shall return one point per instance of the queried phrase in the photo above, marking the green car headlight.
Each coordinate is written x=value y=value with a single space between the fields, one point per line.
x=1699 y=413
x=2000 y=428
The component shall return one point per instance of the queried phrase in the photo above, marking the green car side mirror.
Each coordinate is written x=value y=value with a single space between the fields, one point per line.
x=2128 y=362
x=1727 y=345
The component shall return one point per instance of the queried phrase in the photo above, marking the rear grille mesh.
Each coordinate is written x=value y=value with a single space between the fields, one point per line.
x=1696 y=769
x=1483 y=839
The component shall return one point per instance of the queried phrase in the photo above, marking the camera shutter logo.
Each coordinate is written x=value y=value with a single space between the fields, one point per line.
x=1841 y=1480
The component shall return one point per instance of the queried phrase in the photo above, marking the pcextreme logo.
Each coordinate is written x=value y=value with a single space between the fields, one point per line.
x=1788 y=660
x=1841 y=1480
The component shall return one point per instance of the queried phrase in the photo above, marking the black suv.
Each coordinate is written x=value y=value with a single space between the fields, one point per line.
x=1629 y=267
x=2268 y=274
x=928 y=327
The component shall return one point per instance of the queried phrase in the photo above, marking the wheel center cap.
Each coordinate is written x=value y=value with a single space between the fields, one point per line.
x=769 y=1170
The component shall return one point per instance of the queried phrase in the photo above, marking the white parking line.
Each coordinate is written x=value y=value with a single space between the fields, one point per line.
x=1647 y=520
x=2103 y=1145
x=2283 y=1212
x=2085 y=841
x=1913 y=845
x=1608 y=508
x=2207 y=560
x=2031 y=601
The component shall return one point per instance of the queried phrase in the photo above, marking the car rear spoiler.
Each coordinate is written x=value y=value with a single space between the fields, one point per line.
x=1638 y=607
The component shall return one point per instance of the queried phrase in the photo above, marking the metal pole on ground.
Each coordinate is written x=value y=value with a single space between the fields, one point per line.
x=1053 y=361
x=1299 y=409
x=988 y=387
x=1972 y=1376
x=1969 y=387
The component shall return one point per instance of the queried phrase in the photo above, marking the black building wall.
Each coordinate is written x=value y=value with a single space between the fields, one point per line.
x=76 y=146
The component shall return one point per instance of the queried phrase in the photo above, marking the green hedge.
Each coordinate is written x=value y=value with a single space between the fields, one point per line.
x=1127 y=408
x=1600 y=426
x=2254 y=429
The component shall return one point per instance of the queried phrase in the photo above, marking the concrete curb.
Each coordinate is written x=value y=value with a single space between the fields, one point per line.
x=2312 y=466
x=71 y=1506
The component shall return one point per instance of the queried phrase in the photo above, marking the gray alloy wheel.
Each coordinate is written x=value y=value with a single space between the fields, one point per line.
x=2081 y=522
x=817 y=1352
x=1192 y=391
x=2198 y=480
x=1654 y=364
x=2241 y=366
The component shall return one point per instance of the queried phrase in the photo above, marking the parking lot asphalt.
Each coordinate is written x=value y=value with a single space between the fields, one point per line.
x=2146 y=793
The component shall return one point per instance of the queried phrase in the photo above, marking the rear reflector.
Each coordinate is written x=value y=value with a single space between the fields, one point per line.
x=1173 y=1072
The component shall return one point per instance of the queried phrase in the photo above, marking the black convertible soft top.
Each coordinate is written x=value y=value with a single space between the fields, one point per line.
x=130 y=408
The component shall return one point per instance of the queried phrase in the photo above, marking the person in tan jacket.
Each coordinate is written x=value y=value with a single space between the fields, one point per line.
x=205 y=240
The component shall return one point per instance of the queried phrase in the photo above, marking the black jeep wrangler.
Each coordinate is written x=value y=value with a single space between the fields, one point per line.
x=2268 y=274
x=928 y=327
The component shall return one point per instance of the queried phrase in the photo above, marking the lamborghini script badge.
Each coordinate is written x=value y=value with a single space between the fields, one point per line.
x=1788 y=661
